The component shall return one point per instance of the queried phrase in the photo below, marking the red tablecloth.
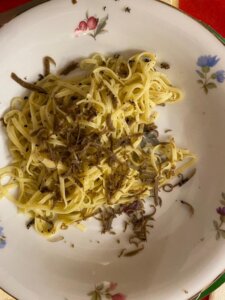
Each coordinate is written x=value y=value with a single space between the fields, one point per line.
x=211 y=12
x=8 y=4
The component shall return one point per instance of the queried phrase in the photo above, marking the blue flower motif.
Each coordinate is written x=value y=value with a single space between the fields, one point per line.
x=220 y=76
x=207 y=61
x=2 y=242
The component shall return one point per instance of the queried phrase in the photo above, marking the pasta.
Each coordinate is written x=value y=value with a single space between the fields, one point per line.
x=89 y=141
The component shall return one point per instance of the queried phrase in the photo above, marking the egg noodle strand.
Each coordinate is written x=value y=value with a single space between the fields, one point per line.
x=86 y=141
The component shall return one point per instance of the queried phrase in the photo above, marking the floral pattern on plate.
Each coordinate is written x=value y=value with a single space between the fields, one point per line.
x=2 y=238
x=91 y=26
x=105 y=290
x=208 y=79
x=220 y=226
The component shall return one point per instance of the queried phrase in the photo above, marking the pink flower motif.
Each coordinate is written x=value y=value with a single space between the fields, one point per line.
x=92 y=23
x=113 y=286
x=91 y=26
x=82 y=26
x=119 y=296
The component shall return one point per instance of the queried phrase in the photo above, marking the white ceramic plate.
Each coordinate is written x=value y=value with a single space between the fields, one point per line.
x=182 y=254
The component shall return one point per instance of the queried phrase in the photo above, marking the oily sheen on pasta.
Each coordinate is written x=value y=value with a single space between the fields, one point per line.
x=82 y=143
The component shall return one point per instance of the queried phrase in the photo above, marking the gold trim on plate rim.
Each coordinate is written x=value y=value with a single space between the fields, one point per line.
x=174 y=4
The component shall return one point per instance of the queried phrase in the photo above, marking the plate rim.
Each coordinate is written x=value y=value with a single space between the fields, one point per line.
x=207 y=27
x=213 y=285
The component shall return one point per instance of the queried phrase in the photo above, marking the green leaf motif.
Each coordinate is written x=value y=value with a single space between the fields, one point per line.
x=223 y=195
x=96 y=296
x=87 y=16
x=100 y=287
x=213 y=76
x=200 y=81
x=201 y=74
x=222 y=233
x=205 y=89
x=101 y=25
x=205 y=69
x=217 y=235
x=92 y=35
x=211 y=85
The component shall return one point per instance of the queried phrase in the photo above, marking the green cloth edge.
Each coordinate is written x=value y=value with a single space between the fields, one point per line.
x=219 y=36
x=220 y=281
